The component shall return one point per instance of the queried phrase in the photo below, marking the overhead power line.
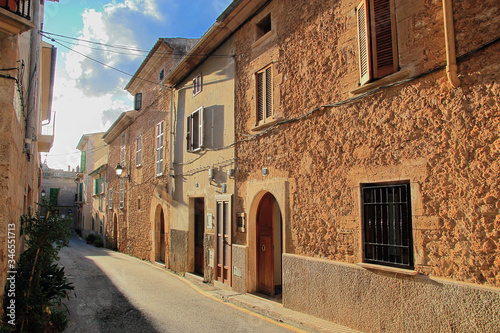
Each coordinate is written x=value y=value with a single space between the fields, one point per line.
x=122 y=48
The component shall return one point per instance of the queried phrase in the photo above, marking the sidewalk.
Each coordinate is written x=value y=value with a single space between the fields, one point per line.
x=270 y=309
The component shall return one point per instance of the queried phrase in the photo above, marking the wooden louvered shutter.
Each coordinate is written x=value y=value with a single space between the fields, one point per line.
x=365 y=65
x=269 y=92
x=201 y=127
x=383 y=37
x=188 y=135
x=260 y=97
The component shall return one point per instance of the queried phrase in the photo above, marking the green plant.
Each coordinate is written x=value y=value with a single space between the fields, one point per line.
x=40 y=282
x=98 y=242
x=90 y=238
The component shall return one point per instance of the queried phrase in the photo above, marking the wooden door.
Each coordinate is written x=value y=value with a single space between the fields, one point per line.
x=265 y=246
x=199 y=235
x=162 y=237
x=223 y=251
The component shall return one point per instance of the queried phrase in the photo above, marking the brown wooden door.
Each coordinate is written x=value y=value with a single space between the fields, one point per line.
x=199 y=235
x=223 y=267
x=265 y=246
x=162 y=237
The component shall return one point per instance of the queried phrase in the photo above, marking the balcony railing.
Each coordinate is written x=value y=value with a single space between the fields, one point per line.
x=18 y=7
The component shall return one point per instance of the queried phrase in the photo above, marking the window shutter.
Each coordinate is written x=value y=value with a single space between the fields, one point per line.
x=269 y=92
x=383 y=35
x=83 y=161
x=188 y=135
x=201 y=127
x=365 y=66
x=260 y=97
x=138 y=101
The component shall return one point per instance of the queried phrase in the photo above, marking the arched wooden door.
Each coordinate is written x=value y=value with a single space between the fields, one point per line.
x=266 y=249
x=115 y=232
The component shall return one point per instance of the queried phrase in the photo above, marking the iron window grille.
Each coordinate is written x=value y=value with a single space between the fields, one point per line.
x=387 y=225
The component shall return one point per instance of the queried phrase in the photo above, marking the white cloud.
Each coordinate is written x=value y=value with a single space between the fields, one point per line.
x=146 y=7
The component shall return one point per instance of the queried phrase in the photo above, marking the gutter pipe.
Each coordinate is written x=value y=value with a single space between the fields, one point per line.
x=449 y=33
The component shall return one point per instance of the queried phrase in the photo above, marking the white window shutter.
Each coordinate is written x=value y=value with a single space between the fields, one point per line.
x=202 y=127
x=188 y=135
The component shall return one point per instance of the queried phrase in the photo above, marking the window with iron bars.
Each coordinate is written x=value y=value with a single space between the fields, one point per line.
x=387 y=225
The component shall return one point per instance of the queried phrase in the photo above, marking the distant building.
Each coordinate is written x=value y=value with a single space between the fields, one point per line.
x=90 y=179
x=62 y=186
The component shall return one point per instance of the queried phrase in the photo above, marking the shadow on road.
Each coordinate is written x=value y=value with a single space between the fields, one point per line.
x=99 y=305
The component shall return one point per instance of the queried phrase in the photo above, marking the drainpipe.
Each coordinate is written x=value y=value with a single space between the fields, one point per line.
x=449 y=33
x=171 y=171
x=33 y=93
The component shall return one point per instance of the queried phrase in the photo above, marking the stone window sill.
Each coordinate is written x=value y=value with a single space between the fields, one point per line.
x=387 y=269
x=262 y=39
x=398 y=76
x=262 y=126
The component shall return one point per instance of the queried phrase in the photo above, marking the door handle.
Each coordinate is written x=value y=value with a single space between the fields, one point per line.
x=263 y=248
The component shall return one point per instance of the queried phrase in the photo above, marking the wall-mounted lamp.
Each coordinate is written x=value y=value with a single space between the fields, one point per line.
x=44 y=193
x=265 y=171
x=119 y=171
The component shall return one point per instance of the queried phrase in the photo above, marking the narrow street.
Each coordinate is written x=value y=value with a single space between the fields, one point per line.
x=117 y=293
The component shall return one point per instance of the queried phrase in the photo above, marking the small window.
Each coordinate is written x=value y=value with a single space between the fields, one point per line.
x=263 y=27
x=162 y=74
x=378 y=53
x=159 y=148
x=195 y=130
x=96 y=186
x=264 y=95
x=387 y=224
x=103 y=184
x=110 y=202
x=122 y=151
x=138 y=101
x=197 y=84
x=138 y=151
x=122 y=192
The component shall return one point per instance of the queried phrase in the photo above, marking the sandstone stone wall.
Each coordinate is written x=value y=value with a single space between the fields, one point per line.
x=19 y=172
x=444 y=140
x=145 y=191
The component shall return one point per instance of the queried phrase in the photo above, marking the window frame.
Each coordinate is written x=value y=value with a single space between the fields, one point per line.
x=267 y=114
x=160 y=145
x=197 y=84
x=122 y=193
x=381 y=240
x=138 y=151
x=123 y=151
x=110 y=199
x=138 y=101
x=377 y=41
x=198 y=127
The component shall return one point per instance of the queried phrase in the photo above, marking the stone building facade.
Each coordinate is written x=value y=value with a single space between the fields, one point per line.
x=94 y=154
x=138 y=205
x=373 y=174
x=201 y=161
x=26 y=80
x=64 y=183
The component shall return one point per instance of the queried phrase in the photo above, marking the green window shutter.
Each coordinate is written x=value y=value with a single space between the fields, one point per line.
x=53 y=194
x=83 y=161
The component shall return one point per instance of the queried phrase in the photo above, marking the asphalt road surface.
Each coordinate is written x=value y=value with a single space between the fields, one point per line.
x=118 y=293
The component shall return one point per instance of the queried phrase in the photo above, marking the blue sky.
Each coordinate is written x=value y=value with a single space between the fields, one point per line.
x=88 y=97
